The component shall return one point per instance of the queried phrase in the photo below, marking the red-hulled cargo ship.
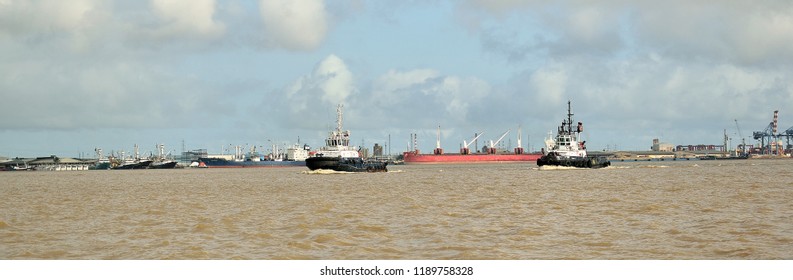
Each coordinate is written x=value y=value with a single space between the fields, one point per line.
x=417 y=158
x=465 y=156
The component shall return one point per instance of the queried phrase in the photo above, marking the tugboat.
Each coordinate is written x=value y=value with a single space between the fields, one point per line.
x=339 y=156
x=566 y=149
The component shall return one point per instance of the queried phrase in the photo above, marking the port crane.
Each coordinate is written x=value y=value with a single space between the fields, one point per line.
x=742 y=151
x=764 y=137
x=464 y=150
x=438 y=150
x=492 y=148
x=788 y=134
x=519 y=148
x=768 y=136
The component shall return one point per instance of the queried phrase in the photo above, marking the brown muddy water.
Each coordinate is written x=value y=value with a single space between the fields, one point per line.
x=633 y=210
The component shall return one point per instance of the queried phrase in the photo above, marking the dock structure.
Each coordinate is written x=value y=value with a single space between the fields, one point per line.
x=50 y=163
x=661 y=155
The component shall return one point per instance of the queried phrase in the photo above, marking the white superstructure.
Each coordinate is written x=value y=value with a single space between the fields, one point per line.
x=297 y=153
x=338 y=142
x=567 y=142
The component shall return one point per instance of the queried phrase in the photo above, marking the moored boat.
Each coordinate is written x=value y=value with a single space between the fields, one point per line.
x=338 y=155
x=131 y=164
x=19 y=168
x=162 y=160
x=567 y=149
x=165 y=164
x=295 y=157
x=125 y=163
x=212 y=162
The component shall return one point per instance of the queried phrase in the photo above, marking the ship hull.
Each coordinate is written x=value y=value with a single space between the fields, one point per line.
x=345 y=164
x=222 y=163
x=414 y=158
x=163 y=165
x=101 y=166
x=579 y=162
x=136 y=165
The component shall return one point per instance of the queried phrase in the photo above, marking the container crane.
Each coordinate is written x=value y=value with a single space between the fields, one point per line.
x=788 y=134
x=464 y=150
x=764 y=137
x=768 y=135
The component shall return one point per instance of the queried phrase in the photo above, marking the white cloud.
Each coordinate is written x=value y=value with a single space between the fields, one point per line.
x=394 y=87
x=71 y=24
x=461 y=94
x=87 y=26
x=330 y=83
x=652 y=97
x=187 y=18
x=764 y=36
x=499 y=7
x=294 y=24
x=101 y=95
x=335 y=80
x=421 y=98
x=25 y=16
x=739 y=32
x=594 y=28
x=549 y=85
x=425 y=97
x=685 y=69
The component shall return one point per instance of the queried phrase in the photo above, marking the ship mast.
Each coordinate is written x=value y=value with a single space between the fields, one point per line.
x=338 y=118
x=569 y=117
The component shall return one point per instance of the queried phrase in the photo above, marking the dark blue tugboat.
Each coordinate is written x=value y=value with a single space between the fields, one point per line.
x=566 y=149
x=337 y=154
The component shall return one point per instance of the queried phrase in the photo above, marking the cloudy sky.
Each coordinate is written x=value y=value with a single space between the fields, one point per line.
x=82 y=74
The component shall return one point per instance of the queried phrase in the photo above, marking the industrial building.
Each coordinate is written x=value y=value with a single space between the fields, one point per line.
x=50 y=163
x=662 y=147
x=701 y=148
x=377 y=150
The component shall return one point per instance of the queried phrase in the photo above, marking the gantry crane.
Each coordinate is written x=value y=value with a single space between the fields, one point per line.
x=788 y=133
x=765 y=137
x=768 y=136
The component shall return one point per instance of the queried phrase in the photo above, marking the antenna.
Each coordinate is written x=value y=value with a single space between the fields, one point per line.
x=569 y=117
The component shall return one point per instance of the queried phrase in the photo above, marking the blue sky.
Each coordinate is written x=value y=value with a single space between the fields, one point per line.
x=85 y=74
